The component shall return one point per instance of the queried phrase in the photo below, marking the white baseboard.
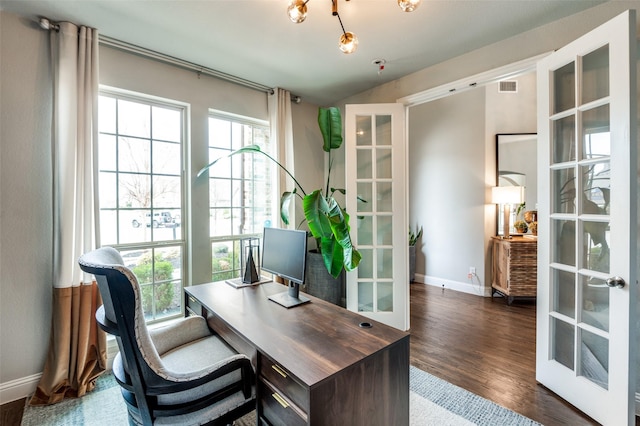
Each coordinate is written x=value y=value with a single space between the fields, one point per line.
x=464 y=287
x=18 y=388
x=26 y=386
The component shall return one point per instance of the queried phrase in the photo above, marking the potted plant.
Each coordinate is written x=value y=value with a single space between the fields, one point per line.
x=328 y=222
x=413 y=239
x=521 y=226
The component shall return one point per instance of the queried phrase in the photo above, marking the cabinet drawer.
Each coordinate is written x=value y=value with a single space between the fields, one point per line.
x=193 y=306
x=276 y=409
x=280 y=378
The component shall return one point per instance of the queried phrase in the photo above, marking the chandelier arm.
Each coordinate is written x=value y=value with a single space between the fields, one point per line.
x=340 y=20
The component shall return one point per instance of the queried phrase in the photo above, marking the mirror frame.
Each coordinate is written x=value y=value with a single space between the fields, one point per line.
x=515 y=137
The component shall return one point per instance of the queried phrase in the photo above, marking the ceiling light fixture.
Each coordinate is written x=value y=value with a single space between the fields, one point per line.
x=409 y=5
x=297 y=11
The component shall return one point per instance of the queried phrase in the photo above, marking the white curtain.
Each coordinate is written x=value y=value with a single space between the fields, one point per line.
x=77 y=348
x=282 y=135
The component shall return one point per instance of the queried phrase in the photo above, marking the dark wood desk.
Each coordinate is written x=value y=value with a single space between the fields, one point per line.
x=315 y=364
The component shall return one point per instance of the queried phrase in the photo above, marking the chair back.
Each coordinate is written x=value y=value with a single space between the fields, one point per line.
x=123 y=312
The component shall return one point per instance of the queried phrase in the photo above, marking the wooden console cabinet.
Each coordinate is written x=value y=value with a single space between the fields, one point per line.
x=515 y=270
x=315 y=363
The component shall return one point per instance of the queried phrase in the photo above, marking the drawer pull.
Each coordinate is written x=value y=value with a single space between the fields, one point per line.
x=280 y=400
x=191 y=299
x=279 y=370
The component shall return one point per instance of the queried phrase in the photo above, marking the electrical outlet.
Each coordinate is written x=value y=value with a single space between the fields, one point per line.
x=472 y=270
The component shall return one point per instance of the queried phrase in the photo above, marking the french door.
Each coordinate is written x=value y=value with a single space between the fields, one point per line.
x=376 y=192
x=587 y=228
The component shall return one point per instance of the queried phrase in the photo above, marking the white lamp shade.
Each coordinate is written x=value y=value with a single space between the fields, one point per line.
x=507 y=194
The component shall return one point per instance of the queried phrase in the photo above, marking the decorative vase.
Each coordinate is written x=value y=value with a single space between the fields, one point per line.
x=530 y=216
x=320 y=283
x=412 y=263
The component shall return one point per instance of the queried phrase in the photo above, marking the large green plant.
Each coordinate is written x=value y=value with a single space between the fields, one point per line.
x=327 y=221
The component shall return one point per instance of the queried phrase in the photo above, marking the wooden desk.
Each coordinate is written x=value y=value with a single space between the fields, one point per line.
x=314 y=363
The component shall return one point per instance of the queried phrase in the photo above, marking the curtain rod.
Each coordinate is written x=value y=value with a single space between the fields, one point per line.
x=171 y=60
x=148 y=53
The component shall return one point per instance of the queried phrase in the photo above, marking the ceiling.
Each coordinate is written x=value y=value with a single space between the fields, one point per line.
x=254 y=39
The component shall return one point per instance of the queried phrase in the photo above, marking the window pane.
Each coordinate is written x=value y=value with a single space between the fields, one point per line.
x=596 y=135
x=595 y=75
x=134 y=119
x=562 y=336
x=564 y=140
x=166 y=158
x=363 y=130
x=564 y=83
x=141 y=191
x=241 y=197
x=107 y=117
x=166 y=124
x=134 y=155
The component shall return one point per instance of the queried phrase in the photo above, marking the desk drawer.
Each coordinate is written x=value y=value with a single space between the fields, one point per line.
x=276 y=409
x=193 y=306
x=283 y=380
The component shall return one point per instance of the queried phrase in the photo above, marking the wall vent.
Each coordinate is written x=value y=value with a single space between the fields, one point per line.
x=508 y=86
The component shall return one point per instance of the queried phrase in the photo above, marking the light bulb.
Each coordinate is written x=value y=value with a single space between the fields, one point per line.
x=297 y=11
x=348 y=42
x=409 y=5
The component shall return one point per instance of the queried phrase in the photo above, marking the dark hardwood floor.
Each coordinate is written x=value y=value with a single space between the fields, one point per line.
x=486 y=347
x=479 y=344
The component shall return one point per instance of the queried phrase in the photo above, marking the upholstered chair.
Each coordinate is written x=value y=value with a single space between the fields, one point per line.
x=179 y=374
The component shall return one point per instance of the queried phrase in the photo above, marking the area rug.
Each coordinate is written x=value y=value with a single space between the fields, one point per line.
x=433 y=401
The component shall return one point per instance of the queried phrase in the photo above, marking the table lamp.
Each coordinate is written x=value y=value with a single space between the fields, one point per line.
x=507 y=195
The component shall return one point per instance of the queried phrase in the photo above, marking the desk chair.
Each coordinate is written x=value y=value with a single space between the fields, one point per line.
x=180 y=374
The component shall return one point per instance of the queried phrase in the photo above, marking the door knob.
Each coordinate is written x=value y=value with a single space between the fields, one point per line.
x=616 y=282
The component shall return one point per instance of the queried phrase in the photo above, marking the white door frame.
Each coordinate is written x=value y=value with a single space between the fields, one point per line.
x=480 y=80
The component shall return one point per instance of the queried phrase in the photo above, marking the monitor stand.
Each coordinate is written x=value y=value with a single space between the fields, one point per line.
x=290 y=298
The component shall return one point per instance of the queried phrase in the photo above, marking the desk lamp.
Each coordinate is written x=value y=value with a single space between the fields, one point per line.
x=507 y=195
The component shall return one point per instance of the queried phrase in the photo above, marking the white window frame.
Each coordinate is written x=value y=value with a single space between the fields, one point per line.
x=179 y=242
x=232 y=238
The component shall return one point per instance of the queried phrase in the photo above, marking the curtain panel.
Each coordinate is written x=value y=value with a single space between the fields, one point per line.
x=279 y=104
x=77 y=348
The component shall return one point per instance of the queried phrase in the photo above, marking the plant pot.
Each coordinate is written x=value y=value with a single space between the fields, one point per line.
x=412 y=263
x=320 y=283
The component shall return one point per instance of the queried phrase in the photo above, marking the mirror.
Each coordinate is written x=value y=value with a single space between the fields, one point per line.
x=517 y=166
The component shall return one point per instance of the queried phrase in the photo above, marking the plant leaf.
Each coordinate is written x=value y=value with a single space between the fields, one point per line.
x=247 y=149
x=285 y=202
x=251 y=149
x=330 y=223
x=330 y=123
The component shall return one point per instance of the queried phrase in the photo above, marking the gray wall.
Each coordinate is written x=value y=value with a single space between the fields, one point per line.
x=25 y=172
x=25 y=176
x=447 y=186
x=26 y=226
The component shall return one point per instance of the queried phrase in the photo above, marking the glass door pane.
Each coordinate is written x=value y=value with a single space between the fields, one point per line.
x=580 y=208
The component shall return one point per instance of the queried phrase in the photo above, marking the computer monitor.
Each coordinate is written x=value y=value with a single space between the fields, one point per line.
x=284 y=253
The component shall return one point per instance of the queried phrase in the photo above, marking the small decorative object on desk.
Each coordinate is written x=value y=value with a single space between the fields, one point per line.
x=533 y=226
x=530 y=216
x=521 y=226
x=250 y=260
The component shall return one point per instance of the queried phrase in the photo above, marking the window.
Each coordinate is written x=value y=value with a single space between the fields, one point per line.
x=241 y=189
x=140 y=158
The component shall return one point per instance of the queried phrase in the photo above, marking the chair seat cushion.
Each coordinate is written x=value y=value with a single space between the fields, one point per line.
x=197 y=355
x=208 y=353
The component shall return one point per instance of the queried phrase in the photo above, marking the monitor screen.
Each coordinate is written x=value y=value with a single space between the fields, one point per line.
x=284 y=253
